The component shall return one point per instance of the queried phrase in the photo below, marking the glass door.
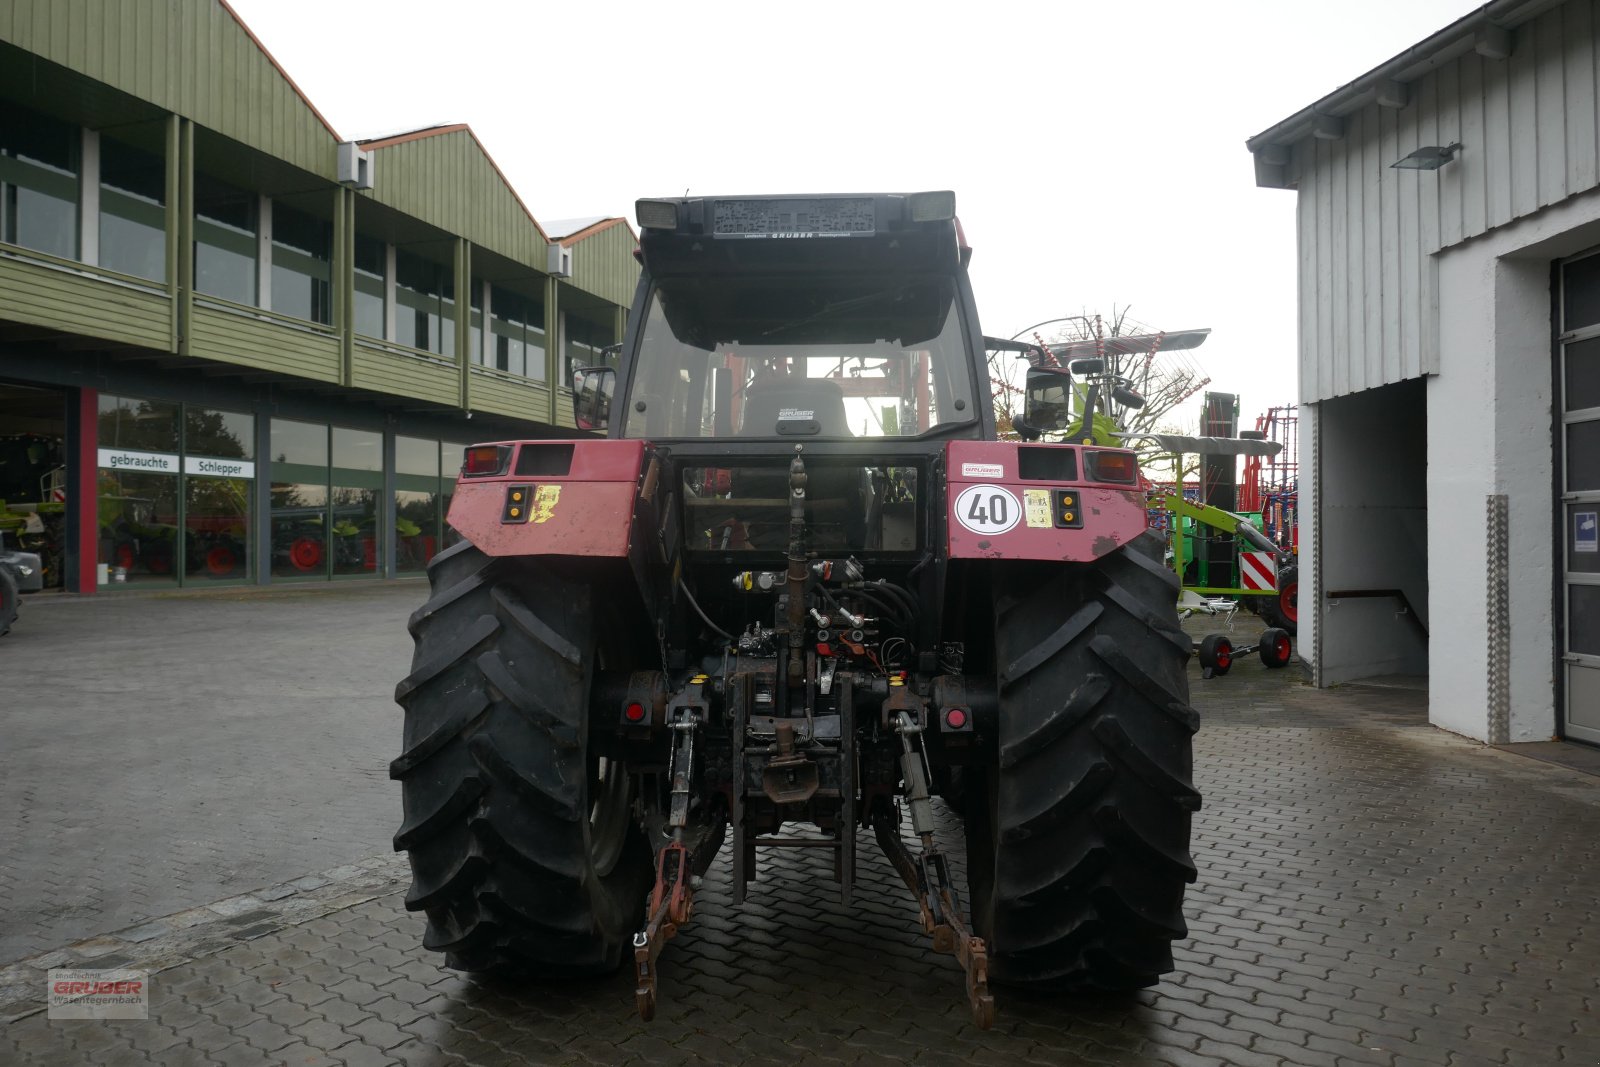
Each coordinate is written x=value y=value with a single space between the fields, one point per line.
x=1579 y=465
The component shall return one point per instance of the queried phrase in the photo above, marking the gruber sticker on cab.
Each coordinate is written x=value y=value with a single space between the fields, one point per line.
x=544 y=502
x=982 y=470
x=988 y=509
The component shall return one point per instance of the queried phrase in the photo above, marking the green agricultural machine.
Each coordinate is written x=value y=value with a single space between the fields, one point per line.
x=1086 y=401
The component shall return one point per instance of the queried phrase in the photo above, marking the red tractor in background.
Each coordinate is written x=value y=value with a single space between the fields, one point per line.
x=795 y=591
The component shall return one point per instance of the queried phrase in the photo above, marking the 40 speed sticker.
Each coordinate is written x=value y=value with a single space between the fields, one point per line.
x=987 y=509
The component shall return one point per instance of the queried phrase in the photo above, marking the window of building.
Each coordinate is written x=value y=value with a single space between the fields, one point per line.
x=371 y=261
x=450 y=455
x=39 y=162
x=424 y=304
x=417 y=512
x=225 y=241
x=516 y=325
x=584 y=342
x=133 y=210
x=475 y=304
x=302 y=265
x=174 y=486
x=356 y=494
x=299 y=519
x=326 y=487
x=218 y=484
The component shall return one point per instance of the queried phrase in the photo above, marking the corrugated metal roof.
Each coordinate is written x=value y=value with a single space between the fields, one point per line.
x=559 y=228
x=1485 y=30
x=383 y=140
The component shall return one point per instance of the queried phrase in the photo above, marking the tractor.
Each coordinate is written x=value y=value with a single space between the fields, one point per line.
x=787 y=586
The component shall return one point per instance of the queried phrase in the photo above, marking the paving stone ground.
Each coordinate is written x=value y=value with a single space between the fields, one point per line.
x=1371 y=891
x=162 y=752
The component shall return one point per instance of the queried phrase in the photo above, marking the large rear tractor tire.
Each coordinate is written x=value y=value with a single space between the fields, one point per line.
x=524 y=854
x=1079 y=840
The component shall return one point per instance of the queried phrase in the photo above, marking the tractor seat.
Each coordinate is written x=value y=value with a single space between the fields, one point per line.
x=794 y=407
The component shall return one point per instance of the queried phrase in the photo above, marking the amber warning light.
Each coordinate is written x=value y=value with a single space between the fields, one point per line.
x=484 y=460
x=1112 y=467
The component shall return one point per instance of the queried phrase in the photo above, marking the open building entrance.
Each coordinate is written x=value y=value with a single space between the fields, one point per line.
x=1372 y=607
x=33 y=474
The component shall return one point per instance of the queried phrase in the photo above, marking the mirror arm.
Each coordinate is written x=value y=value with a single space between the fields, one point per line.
x=1086 y=427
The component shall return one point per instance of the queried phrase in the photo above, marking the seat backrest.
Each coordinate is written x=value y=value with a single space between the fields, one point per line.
x=800 y=407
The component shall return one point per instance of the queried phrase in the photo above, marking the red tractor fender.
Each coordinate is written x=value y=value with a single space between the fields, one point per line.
x=1010 y=500
x=552 y=498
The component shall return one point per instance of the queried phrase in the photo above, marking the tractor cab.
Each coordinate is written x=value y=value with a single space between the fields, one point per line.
x=837 y=318
x=844 y=324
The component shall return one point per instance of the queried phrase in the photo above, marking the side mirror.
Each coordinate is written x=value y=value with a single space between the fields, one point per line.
x=1087 y=367
x=1127 y=396
x=1047 y=401
x=591 y=396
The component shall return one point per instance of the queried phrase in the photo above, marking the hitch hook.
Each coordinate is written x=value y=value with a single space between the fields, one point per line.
x=671 y=904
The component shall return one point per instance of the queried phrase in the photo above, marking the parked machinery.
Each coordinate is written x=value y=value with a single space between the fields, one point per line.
x=796 y=592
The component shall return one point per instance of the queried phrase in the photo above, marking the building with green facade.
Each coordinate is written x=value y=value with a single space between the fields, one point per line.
x=237 y=348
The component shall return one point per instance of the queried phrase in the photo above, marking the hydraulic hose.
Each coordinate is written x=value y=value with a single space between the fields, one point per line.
x=719 y=631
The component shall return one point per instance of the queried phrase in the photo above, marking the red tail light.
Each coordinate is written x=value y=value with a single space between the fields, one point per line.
x=1112 y=466
x=484 y=460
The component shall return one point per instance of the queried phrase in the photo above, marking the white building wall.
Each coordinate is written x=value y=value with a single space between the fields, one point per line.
x=1491 y=431
x=1529 y=126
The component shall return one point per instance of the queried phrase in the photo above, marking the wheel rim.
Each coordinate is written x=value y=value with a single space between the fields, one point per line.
x=1280 y=648
x=1289 y=602
x=124 y=555
x=609 y=813
x=305 y=553
x=1224 y=654
x=220 y=561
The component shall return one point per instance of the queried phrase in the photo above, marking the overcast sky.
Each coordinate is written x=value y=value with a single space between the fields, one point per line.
x=1096 y=149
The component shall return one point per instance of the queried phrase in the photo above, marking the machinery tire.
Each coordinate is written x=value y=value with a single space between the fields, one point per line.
x=1216 y=654
x=525 y=860
x=1078 y=844
x=1283 y=610
x=8 y=600
x=1275 y=647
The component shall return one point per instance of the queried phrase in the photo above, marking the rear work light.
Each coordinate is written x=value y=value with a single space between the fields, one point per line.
x=1111 y=466
x=482 y=461
x=932 y=207
x=656 y=214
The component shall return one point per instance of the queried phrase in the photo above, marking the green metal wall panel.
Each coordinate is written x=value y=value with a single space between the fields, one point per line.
x=68 y=300
x=502 y=396
x=603 y=264
x=446 y=180
x=564 y=409
x=237 y=338
x=387 y=372
x=192 y=57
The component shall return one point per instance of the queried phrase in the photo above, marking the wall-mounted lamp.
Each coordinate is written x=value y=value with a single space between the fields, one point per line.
x=1428 y=157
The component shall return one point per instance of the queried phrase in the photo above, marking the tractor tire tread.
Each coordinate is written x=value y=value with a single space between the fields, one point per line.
x=493 y=773
x=1079 y=845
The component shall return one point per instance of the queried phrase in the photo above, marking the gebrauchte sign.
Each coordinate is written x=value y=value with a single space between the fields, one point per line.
x=144 y=462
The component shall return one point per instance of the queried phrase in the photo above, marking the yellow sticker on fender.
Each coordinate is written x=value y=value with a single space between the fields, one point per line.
x=545 y=497
x=1036 y=502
